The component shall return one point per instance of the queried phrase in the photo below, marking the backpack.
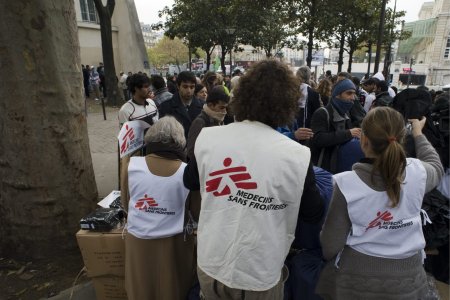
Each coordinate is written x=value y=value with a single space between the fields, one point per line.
x=415 y=104
x=437 y=207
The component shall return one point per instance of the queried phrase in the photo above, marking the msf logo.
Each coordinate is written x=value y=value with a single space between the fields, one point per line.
x=144 y=203
x=385 y=216
x=127 y=138
x=237 y=175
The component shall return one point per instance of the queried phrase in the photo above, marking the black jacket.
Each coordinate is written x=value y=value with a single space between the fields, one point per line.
x=312 y=104
x=176 y=108
x=329 y=137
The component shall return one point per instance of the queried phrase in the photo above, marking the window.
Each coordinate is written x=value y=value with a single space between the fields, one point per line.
x=88 y=11
x=447 y=48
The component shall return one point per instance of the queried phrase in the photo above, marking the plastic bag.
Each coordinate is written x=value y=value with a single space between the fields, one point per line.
x=102 y=219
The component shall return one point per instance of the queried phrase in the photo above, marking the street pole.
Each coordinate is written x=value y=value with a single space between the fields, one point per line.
x=410 y=71
x=388 y=59
x=380 y=36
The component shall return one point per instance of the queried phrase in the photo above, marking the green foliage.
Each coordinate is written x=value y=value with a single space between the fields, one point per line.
x=168 y=51
x=272 y=24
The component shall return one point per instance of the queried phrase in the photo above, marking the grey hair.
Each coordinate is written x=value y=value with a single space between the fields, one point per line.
x=304 y=74
x=166 y=130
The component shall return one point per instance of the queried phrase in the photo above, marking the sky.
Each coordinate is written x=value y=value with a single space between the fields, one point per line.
x=148 y=9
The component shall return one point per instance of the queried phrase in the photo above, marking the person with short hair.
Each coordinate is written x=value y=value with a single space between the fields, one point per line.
x=255 y=183
x=200 y=92
x=382 y=97
x=94 y=80
x=159 y=257
x=123 y=85
x=140 y=106
x=372 y=236
x=161 y=92
x=183 y=105
x=370 y=86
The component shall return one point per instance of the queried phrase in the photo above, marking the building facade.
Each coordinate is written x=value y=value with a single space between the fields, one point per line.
x=151 y=37
x=429 y=43
x=128 y=43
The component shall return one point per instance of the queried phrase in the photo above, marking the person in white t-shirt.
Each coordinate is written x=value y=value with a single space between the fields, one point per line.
x=140 y=106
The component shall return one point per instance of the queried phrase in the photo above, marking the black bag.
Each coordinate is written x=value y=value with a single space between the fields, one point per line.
x=412 y=103
x=437 y=207
x=415 y=104
x=103 y=219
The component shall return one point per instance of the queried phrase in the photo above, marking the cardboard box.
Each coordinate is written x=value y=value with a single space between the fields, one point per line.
x=109 y=288
x=103 y=252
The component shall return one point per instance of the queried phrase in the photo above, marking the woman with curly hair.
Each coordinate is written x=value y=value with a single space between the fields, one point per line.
x=324 y=90
x=252 y=180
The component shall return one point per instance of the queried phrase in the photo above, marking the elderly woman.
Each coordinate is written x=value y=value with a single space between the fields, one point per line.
x=159 y=258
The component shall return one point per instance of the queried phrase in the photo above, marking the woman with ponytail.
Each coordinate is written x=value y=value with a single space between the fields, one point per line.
x=372 y=236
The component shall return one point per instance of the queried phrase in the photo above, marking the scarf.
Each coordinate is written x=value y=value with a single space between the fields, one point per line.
x=216 y=115
x=166 y=150
x=341 y=106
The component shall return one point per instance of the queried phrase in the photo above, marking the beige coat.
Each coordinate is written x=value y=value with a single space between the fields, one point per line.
x=162 y=269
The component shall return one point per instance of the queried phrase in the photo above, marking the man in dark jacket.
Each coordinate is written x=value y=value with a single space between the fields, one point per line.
x=161 y=92
x=183 y=105
x=332 y=126
x=382 y=97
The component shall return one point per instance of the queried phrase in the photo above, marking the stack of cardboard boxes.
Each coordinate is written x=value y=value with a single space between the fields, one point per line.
x=104 y=258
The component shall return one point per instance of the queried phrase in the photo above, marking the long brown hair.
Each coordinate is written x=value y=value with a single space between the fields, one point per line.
x=385 y=129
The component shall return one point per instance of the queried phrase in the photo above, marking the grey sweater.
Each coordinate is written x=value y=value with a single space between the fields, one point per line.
x=361 y=276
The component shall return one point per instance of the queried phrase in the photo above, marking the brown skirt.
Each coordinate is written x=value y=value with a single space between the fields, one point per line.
x=161 y=269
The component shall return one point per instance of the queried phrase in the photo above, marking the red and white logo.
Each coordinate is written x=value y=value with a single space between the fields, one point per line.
x=386 y=216
x=146 y=202
x=238 y=175
x=127 y=138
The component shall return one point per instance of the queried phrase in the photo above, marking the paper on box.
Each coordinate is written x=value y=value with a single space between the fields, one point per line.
x=109 y=288
x=103 y=252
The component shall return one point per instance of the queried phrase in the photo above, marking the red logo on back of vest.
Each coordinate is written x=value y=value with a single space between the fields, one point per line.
x=386 y=216
x=144 y=203
x=127 y=138
x=238 y=176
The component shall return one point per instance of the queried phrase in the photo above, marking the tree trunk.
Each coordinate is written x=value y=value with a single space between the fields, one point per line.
x=350 y=61
x=341 y=50
x=190 y=58
x=370 y=58
x=47 y=181
x=222 y=59
x=208 y=60
x=380 y=36
x=310 y=47
x=105 y=13
x=311 y=33
x=352 y=45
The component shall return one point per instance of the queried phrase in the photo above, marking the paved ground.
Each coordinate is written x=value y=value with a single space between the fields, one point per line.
x=103 y=144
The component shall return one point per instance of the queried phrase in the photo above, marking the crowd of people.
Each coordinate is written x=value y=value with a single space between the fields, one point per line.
x=232 y=168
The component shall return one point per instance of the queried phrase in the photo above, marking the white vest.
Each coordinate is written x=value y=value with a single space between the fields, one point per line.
x=378 y=229
x=156 y=207
x=251 y=183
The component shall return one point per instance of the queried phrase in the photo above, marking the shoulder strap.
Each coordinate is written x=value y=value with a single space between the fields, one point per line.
x=322 y=152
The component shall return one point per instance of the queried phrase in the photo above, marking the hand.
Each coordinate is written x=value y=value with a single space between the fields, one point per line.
x=356 y=132
x=417 y=126
x=302 y=134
